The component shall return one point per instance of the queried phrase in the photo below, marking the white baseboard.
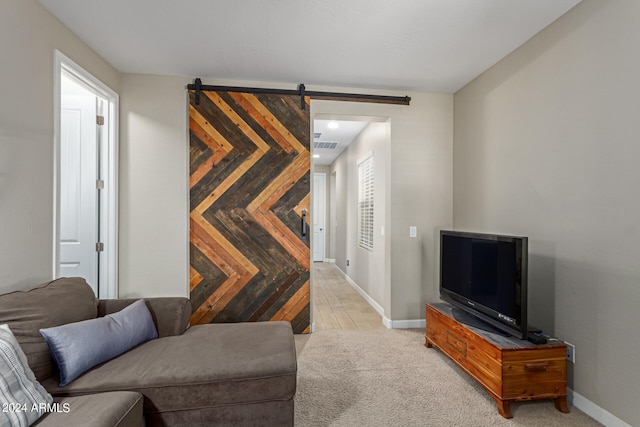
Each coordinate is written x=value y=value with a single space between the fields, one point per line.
x=594 y=411
x=377 y=307
x=404 y=324
x=388 y=323
x=330 y=261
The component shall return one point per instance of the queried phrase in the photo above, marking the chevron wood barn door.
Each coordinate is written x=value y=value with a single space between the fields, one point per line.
x=249 y=188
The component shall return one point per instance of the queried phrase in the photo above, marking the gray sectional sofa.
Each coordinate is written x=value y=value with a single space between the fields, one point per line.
x=216 y=374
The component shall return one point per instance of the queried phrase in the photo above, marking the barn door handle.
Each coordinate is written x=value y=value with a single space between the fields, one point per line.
x=304 y=224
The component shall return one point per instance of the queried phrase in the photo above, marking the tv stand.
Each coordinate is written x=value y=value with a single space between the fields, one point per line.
x=510 y=369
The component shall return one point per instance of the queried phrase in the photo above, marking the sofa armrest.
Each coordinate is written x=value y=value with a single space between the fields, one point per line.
x=170 y=314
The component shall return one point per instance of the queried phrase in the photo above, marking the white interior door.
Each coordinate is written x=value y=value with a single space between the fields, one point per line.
x=84 y=152
x=318 y=217
x=79 y=152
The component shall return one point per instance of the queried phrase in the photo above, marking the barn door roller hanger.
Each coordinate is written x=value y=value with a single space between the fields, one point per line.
x=198 y=87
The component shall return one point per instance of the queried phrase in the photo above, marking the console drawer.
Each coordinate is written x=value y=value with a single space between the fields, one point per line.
x=540 y=372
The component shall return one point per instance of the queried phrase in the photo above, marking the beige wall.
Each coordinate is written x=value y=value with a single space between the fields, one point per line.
x=366 y=268
x=421 y=194
x=546 y=145
x=154 y=186
x=28 y=36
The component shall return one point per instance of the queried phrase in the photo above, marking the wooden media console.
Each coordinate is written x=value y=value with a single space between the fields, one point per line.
x=510 y=369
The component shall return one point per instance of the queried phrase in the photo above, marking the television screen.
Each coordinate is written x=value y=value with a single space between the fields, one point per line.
x=485 y=274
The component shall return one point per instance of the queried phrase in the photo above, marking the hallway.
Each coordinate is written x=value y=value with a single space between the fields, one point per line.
x=337 y=305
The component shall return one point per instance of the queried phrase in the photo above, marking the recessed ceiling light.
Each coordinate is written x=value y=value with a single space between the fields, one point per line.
x=332 y=125
x=316 y=156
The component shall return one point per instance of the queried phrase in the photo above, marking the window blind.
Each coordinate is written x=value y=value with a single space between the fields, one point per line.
x=365 y=203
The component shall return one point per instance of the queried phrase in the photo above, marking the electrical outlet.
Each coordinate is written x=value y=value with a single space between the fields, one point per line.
x=571 y=352
x=347 y=263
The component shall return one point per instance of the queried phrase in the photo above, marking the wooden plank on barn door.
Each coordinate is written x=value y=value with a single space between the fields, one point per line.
x=249 y=183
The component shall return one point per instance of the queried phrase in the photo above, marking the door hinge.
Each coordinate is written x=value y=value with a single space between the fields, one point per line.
x=100 y=120
x=100 y=184
x=99 y=247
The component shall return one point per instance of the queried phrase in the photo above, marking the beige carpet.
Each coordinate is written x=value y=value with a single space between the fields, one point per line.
x=389 y=378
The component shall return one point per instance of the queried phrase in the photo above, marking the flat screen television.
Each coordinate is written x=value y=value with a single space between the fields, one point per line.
x=485 y=276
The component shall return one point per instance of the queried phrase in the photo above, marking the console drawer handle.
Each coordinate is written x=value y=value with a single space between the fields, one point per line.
x=536 y=367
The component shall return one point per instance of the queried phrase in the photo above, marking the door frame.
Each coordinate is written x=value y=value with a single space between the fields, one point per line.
x=108 y=262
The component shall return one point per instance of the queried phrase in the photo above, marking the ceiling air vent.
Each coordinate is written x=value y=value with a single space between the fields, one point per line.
x=326 y=145
x=316 y=135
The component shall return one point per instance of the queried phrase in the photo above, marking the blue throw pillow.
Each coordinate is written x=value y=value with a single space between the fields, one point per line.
x=78 y=347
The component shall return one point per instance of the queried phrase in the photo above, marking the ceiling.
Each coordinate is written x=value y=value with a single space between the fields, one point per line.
x=332 y=136
x=406 y=45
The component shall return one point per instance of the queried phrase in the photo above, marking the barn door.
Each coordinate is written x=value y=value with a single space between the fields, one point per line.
x=249 y=181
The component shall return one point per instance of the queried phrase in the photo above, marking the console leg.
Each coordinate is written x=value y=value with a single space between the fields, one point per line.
x=561 y=404
x=427 y=343
x=504 y=408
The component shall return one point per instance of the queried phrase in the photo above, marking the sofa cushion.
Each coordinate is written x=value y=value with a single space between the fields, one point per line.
x=21 y=395
x=77 y=347
x=115 y=409
x=170 y=314
x=58 y=302
x=207 y=366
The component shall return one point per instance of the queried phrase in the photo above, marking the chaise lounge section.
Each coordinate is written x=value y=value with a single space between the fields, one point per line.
x=215 y=374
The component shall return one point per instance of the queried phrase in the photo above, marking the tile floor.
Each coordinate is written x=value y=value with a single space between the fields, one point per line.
x=337 y=305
